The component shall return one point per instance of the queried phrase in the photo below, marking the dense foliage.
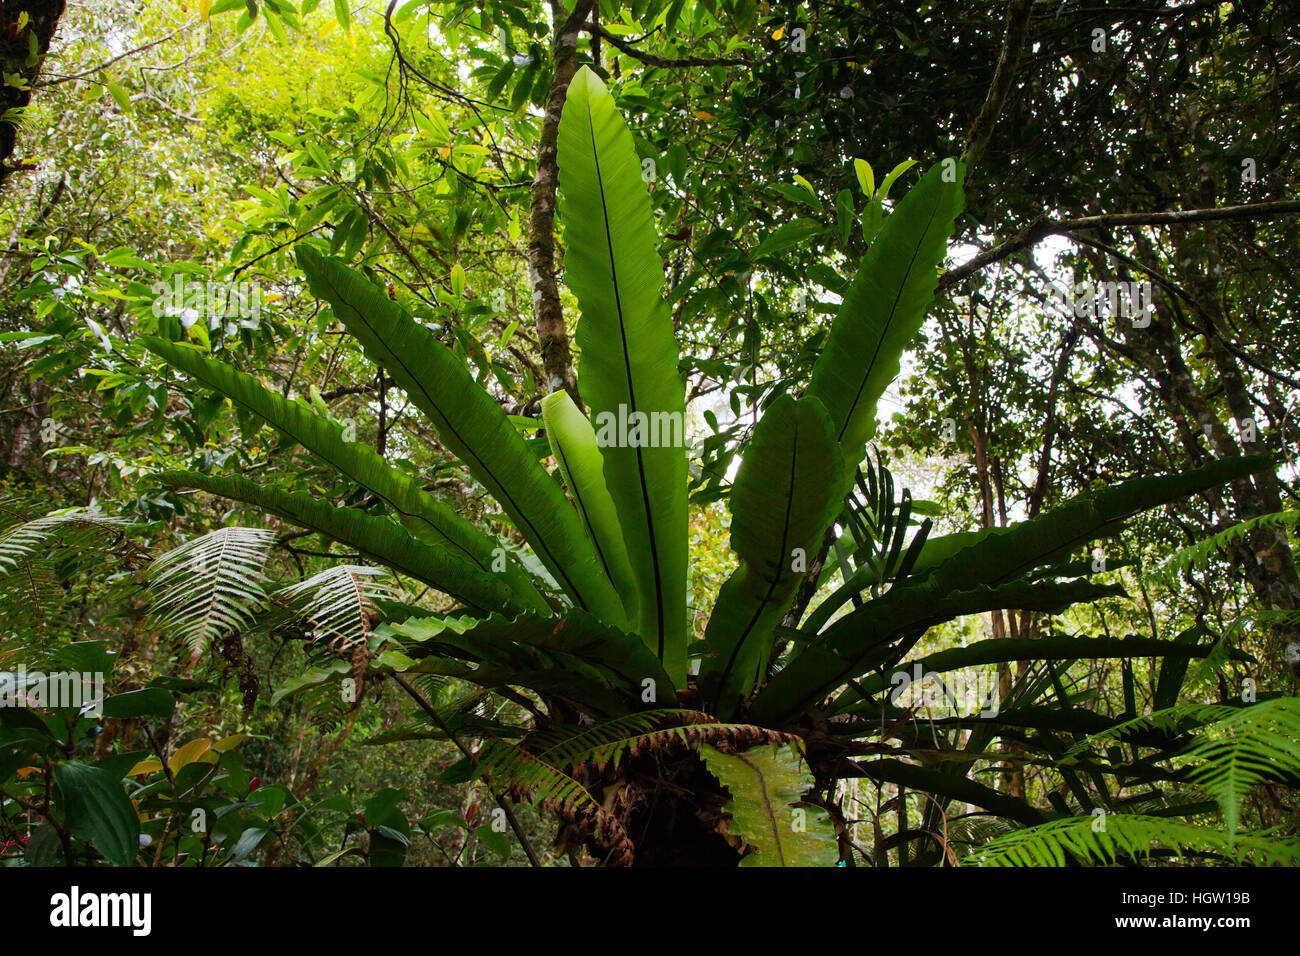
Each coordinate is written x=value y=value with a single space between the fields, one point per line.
x=680 y=432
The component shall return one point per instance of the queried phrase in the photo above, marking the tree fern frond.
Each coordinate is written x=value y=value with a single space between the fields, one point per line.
x=566 y=747
x=30 y=595
x=1276 y=617
x=1200 y=552
x=978 y=829
x=1193 y=802
x=25 y=537
x=524 y=772
x=338 y=604
x=1172 y=720
x=209 y=587
x=1206 y=668
x=1250 y=746
x=327 y=707
x=1105 y=840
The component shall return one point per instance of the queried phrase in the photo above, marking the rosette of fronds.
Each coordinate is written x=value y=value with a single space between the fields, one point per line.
x=581 y=618
x=576 y=771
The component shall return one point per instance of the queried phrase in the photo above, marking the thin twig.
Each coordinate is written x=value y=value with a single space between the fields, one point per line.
x=1041 y=228
x=433 y=714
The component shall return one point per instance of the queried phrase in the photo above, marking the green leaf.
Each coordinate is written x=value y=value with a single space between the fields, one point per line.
x=998 y=554
x=573 y=443
x=628 y=368
x=864 y=639
x=767 y=784
x=781 y=505
x=808 y=186
x=953 y=786
x=390 y=833
x=866 y=178
x=884 y=309
x=248 y=841
x=430 y=520
x=147 y=702
x=497 y=841
x=785 y=237
x=120 y=96
x=472 y=425
x=96 y=808
x=893 y=175
x=600 y=669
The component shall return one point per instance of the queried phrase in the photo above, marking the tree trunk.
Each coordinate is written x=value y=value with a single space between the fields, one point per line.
x=548 y=315
x=22 y=50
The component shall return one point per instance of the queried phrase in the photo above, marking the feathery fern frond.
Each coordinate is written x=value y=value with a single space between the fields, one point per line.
x=30 y=595
x=339 y=604
x=1117 y=835
x=327 y=708
x=1200 y=552
x=978 y=829
x=33 y=546
x=1207 y=667
x=25 y=537
x=1172 y=720
x=1276 y=617
x=525 y=773
x=210 y=587
x=1250 y=746
x=610 y=741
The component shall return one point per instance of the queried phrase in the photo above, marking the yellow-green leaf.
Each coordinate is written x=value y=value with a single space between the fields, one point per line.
x=120 y=96
x=767 y=784
x=866 y=178
x=189 y=753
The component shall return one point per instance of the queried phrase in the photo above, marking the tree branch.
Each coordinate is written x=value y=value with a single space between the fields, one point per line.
x=548 y=315
x=1041 y=228
x=649 y=59
x=441 y=724
x=981 y=131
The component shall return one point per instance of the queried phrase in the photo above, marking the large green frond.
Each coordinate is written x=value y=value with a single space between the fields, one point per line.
x=628 y=364
x=767 y=809
x=885 y=307
x=573 y=442
x=337 y=604
x=426 y=517
x=472 y=425
x=781 y=504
